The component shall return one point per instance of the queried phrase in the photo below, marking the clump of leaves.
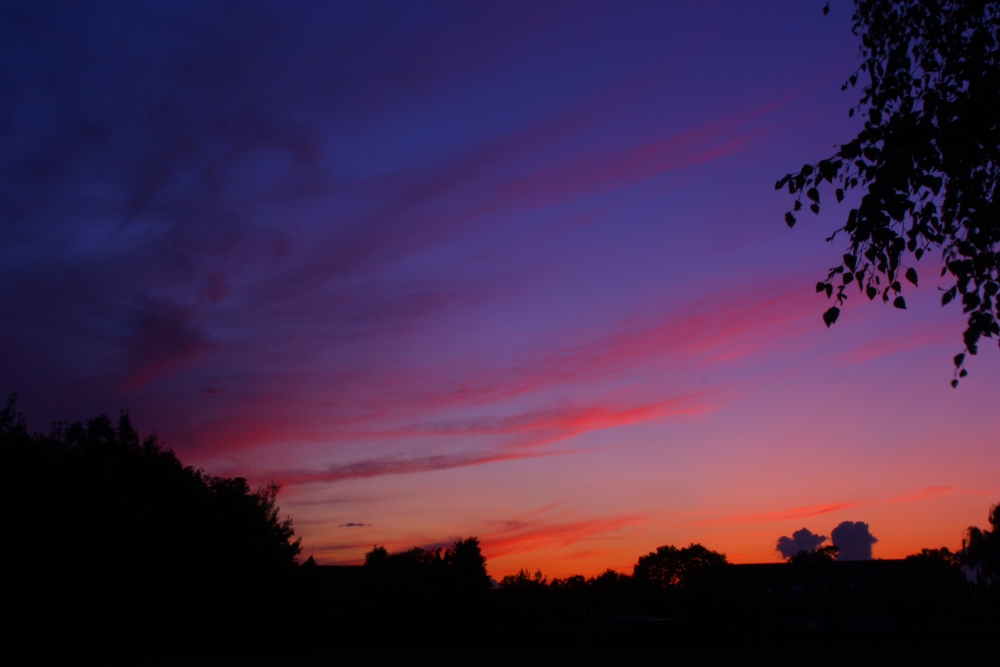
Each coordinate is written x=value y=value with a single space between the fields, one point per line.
x=927 y=159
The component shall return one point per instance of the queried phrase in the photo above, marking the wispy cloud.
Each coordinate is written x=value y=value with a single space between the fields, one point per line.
x=525 y=537
x=926 y=493
x=382 y=402
x=779 y=515
x=898 y=343
x=260 y=287
x=398 y=466
x=523 y=434
x=546 y=425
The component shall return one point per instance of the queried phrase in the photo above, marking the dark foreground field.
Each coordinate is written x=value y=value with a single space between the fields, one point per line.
x=782 y=656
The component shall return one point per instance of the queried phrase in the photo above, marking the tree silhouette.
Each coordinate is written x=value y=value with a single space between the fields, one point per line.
x=942 y=556
x=466 y=565
x=826 y=554
x=111 y=545
x=461 y=568
x=524 y=580
x=983 y=548
x=927 y=160
x=112 y=535
x=669 y=566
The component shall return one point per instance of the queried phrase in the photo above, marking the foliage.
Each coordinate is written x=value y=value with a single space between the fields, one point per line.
x=926 y=160
x=942 y=556
x=825 y=554
x=982 y=549
x=460 y=568
x=574 y=582
x=121 y=498
x=668 y=566
x=467 y=565
x=524 y=580
x=108 y=530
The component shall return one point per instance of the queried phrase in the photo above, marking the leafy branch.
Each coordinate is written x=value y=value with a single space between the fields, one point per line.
x=926 y=160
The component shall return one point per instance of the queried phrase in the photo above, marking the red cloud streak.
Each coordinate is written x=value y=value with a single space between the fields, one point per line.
x=523 y=539
x=713 y=330
x=816 y=510
x=535 y=428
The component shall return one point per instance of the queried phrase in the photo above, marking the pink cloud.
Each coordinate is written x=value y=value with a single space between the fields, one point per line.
x=716 y=329
x=600 y=172
x=525 y=534
x=490 y=176
x=780 y=515
x=525 y=433
x=398 y=466
x=895 y=344
x=728 y=326
x=926 y=493
x=522 y=537
x=562 y=422
x=291 y=397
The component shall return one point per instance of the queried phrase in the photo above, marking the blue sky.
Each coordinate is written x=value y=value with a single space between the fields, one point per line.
x=515 y=270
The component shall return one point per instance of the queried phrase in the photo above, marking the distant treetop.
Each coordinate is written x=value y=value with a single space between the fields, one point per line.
x=669 y=566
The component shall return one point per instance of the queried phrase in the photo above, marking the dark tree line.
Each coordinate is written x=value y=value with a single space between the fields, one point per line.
x=109 y=540
x=112 y=547
x=422 y=596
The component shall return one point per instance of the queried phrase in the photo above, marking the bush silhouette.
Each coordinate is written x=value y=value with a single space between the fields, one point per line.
x=117 y=543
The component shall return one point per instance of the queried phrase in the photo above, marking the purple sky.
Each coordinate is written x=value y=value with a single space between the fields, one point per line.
x=514 y=270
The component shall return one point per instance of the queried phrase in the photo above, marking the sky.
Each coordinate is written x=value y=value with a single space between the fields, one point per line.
x=507 y=270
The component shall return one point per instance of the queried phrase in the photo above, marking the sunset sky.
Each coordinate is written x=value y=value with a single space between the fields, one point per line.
x=511 y=270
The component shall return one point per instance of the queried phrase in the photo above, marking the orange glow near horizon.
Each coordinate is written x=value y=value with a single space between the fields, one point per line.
x=507 y=270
